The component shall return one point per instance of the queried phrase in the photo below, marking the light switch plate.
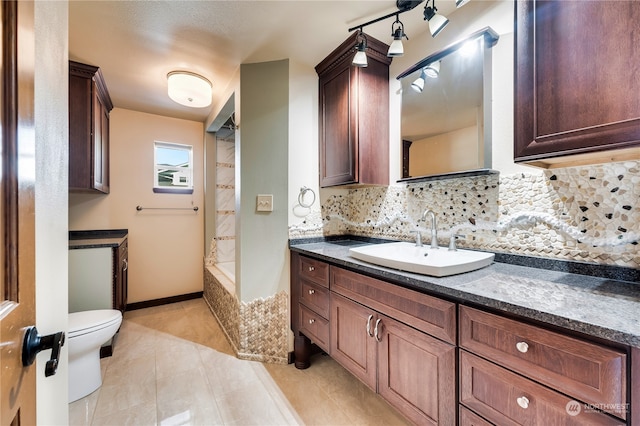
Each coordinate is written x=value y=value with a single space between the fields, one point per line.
x=264 y=203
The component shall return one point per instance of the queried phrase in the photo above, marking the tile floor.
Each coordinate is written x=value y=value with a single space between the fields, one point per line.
x=172 y=365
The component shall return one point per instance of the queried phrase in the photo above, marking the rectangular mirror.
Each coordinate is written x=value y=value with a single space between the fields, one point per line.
x=446 y=110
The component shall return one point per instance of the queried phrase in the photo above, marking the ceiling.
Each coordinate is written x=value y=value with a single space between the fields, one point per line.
x=136 y=43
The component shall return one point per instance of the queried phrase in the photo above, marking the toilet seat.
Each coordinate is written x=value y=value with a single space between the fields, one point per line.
x=89 y=321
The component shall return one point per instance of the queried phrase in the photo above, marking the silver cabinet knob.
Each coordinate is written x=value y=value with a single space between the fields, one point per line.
x=311 y=321
x=311 y=269
x=311 y=291
x=522 y=347
x=523 y=402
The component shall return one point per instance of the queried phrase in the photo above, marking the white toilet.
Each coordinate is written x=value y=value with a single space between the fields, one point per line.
x=88 y=330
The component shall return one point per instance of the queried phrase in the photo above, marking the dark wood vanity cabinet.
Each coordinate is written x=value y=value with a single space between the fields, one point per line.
x=353 y=121
x=576 y=85
x=441 y=362
x=374 y=337
x=89 y=108
x=120 y=276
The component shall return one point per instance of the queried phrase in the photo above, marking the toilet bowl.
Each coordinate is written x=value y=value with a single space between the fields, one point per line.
x=88 y=330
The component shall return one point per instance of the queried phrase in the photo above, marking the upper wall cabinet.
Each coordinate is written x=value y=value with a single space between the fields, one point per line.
x=576 y=82
x=354 y=116
x=89 y=107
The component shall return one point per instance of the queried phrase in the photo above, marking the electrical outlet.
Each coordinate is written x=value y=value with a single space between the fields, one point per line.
x=264 y=203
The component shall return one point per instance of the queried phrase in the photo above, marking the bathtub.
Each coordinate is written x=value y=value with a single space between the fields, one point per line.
x=225 y=272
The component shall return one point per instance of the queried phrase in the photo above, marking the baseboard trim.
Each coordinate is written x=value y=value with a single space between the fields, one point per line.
x=163 y=301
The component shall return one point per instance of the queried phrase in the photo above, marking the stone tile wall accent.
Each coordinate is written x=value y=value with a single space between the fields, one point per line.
x=256 y=330
x=589 y=213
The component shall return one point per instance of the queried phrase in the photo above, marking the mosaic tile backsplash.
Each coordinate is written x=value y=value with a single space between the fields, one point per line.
x=589 y=213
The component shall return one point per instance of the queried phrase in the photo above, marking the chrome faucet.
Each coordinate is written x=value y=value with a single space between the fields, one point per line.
x=434 y=230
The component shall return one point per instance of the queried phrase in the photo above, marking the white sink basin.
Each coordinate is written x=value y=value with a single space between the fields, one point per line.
x=406 y=256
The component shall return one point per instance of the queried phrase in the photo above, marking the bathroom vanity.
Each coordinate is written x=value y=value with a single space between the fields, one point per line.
x=493 y=346
x=98 y=270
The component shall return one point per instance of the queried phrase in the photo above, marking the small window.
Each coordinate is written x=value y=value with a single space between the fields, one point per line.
x=173 y=168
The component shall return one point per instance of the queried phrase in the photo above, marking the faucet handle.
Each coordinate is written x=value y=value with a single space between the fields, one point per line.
x=418 y=239
x=452 y=241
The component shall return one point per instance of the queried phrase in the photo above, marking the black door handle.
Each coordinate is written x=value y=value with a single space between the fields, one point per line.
x=34 y=343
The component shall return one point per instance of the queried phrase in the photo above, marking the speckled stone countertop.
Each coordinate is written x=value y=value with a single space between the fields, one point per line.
x=97 y=238
x=604 y=308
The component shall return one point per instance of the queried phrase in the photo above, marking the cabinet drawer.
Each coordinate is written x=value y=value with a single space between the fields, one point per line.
x=469 y=418
x=428 y=314
x=314 y=327
x=506 y=398
x=589 y=372
x=314 y=271
x=315 y=297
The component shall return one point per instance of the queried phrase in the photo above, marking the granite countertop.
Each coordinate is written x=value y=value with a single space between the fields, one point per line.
x=97 y=238
x=605 y=308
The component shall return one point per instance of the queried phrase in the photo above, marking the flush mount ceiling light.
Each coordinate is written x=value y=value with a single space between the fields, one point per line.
x=189 y=89
x=418 y=83
x=360 y=58
x=432 y=70
x=437 y=22
x=396 y=48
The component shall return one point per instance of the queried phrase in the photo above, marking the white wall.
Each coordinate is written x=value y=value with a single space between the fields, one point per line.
x=51 y=138
x=165 y=246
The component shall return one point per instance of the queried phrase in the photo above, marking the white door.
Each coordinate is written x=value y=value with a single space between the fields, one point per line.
x=17 y=174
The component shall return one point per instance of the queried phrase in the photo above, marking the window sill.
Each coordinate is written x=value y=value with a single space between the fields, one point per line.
x=173 y=190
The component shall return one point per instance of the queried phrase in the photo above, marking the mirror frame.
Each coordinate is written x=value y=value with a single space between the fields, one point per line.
x=490 y=39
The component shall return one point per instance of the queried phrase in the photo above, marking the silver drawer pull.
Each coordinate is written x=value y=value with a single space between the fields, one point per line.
x=522 y=347
x=369 y=325
x=311 y=291
x=523 y=402
x=311 y=321
x=311 y=269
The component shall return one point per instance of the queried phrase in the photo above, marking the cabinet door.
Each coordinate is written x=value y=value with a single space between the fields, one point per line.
x=80 y=130
x=576 y=90
x=352 y=341
x=416 y=373
x=338 y=155
x=121 y=281
x=100 y=172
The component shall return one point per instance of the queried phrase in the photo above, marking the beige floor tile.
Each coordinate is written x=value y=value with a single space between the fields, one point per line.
x=81 y=411
x=138 y=415
x=172 y=365
x=187 y=397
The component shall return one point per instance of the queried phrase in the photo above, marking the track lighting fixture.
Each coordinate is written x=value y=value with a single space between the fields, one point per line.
x=397 y=31
x=432 y=70
x=360 y=58
x=437 y=22
x=418 y=83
